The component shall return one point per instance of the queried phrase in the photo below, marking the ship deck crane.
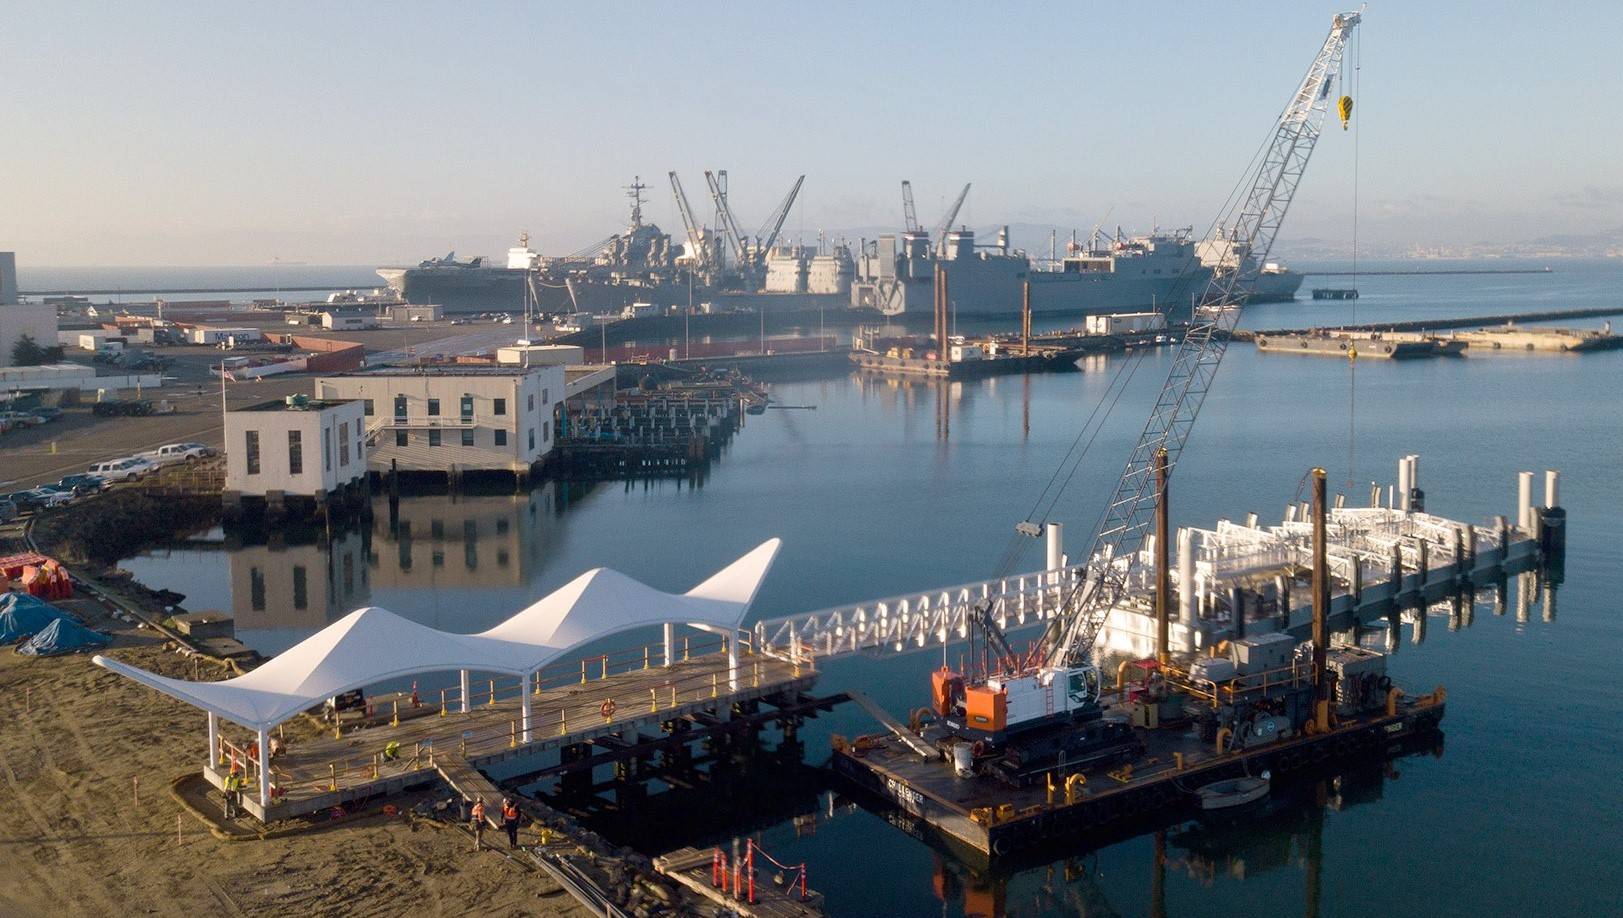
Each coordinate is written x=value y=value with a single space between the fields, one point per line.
x=1057 y=683
x=910 y=215
x=939 y=237
x=724 y=214
x=767 y=238
x=696 y=245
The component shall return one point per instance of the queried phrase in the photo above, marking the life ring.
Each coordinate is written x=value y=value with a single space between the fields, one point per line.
x=606 y=709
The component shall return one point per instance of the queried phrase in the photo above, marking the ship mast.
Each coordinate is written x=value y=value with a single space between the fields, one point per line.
x=634 y=192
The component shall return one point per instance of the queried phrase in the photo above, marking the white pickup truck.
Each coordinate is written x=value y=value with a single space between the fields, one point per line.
x=177 y=452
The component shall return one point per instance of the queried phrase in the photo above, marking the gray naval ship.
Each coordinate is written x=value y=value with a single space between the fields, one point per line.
x=895 y=274
x=638 y=265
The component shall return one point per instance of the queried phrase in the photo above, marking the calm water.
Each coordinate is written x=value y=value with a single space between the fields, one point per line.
x=890 y=487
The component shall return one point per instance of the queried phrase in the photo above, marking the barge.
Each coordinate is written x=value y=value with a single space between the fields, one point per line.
x=1375 y=345
x=990 y=819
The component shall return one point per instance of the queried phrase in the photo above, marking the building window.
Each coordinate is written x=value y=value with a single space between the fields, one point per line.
x=366 y=406
x=400 y=438
x=252 y=452
x=531 y=405
x=500 y=406
x=433 y=407
x=532 y=438
x=343 y=443
x=544 y=399
x=501 y=437
x=400 y=406
x=295 y=452
x=467 y=407
x=437 y=558
x=326 y=448
x=433 y=438
x=546 y=431
x=256 y=589
x=301 y=587
x=467 y=437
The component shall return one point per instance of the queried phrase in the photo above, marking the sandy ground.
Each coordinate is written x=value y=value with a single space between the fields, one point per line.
x=74 y=840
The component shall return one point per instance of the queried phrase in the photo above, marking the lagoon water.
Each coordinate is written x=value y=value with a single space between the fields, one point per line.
x=888 y=487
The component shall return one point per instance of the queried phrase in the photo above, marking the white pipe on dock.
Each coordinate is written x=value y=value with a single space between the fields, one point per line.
x=524 y=708
x=264 y=770
x=1524 y=501
x=1186 y=585
x=1056 y=545
x=464 y=691
x=214 y=739
x=1404 y=484
x=732 y=663
x=670 y=643
x=1552 y=489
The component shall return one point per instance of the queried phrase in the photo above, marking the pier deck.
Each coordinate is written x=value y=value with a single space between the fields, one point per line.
x=334 y=769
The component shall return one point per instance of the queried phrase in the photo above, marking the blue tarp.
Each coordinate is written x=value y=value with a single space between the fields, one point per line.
x=22 y=615
x=64 y=635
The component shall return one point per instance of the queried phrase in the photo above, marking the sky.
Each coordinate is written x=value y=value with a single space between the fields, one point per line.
x=359 y=133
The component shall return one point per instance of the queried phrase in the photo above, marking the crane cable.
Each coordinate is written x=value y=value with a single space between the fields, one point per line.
x=1352 y=362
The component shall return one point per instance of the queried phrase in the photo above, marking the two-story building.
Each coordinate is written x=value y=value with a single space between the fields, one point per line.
x=454 y=419
x=313 y=450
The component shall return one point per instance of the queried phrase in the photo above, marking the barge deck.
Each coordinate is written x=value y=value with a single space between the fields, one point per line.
x=992 y=819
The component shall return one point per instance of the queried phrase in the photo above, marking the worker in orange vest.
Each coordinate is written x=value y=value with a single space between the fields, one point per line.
x=510 y=821
x=477 y=821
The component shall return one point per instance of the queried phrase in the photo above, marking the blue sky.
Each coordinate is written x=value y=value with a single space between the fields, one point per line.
x=207 y=133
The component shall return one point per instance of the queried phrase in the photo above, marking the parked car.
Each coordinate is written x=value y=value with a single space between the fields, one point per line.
x=82 y=484
x=22 y=418
x=119 y=408
x=177 y=452
x=47 y=497
x=126 y=469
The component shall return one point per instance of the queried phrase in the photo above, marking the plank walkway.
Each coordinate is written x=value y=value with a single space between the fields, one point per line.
x=317 y=774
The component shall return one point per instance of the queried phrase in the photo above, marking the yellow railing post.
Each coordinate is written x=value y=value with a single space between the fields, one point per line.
x=712 y=685
x=332 y=776
x=653 y=701
x=684 y=650
x=605 y=674
x=442 y=702
x=645 y=656
x=493 y=692
x=583 y=671
x=673 y=694
x=563 y=722
x=512 y=734
x=395 y=720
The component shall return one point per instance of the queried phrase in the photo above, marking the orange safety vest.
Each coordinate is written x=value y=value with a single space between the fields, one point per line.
x=509 y=812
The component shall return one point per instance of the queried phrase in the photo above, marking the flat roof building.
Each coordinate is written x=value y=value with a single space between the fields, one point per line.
x=454 y=419
x=299 y=447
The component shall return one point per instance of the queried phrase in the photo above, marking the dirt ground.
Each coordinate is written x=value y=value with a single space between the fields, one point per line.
x=74 y=839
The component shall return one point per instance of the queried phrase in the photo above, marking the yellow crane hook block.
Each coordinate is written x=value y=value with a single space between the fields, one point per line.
x=1345 y=108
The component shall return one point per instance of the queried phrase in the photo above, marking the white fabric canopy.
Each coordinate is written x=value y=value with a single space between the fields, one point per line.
x=374 y=645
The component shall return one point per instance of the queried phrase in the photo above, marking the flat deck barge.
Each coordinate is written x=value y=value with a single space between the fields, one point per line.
x=991 y=818
x=1047 y=361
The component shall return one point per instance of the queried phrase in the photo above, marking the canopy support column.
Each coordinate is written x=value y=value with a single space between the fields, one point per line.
x=524 y=706
x=670 y=643
x=732 y=662
x=264 y=772
x=464 y=691
x=214 y=740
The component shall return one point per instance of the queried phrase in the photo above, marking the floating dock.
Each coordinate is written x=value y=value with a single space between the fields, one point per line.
x=1513 y=337
x=1335 y=293
x=1044 y=361
x=1363 y=345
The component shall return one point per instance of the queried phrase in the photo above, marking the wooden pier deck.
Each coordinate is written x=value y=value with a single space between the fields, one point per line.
x=355 y=764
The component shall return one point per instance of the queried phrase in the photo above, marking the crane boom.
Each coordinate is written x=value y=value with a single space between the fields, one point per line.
x=939 y=237
x=910 y=216
x=725 y=211
x=695 y=237
x=1127 y=518
x=776 y=218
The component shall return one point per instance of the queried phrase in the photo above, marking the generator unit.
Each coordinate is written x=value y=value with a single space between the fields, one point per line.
x=1358 y=679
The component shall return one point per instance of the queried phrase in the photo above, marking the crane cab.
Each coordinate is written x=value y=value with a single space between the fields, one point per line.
x=1011 y=703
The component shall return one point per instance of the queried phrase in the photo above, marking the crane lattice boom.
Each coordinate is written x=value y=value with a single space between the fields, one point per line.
x=939 y=238
x=695 y=236
x=768 y=238
x=1128 y=517
x=910 y=216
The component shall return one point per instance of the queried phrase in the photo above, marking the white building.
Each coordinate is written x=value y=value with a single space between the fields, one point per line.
x=348 y=321
x=454 y=418
x=541 y=355
x=299 y=447
x=36 y=322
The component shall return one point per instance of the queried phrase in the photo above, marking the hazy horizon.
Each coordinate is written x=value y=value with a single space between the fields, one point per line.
x=194 y=135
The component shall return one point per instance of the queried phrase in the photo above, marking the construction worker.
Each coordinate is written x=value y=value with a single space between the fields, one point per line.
x=391 y=751
x=477 y=824
x=510 y=821
x=233 y=782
